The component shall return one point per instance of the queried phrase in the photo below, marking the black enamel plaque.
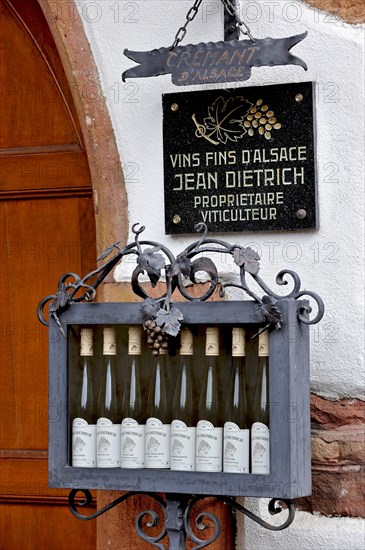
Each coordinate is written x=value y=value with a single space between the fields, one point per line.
x=240 y=159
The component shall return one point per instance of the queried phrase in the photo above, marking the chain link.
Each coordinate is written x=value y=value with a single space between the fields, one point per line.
x=180 y=35
x=231 y=9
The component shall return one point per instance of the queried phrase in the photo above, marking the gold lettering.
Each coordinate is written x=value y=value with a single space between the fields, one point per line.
x=195 y=61
x=223 y=57
x=209 y=58
x=253 y=50
x=170 y=59
x=183 y=58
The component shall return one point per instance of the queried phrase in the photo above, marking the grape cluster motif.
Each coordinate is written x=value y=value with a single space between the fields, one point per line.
x=229 y=120
x=156 y=337
x=262 y=119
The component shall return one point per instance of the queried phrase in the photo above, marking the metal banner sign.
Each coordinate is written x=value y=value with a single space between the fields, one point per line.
x=205 y=63
x=240 y=159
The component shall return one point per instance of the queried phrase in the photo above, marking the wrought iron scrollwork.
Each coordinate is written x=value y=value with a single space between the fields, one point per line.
x=275 y=506
x=178 y=522
x=153 y=259
x=200 y=524
x=154 y=520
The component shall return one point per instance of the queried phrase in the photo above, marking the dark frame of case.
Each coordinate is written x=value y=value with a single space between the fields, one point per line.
x=290 y=453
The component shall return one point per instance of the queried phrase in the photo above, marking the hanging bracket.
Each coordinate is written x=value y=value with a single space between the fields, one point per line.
x=175 y=518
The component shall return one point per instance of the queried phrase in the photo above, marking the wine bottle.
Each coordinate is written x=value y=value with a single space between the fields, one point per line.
x=260 y=435
x=209 y=431
x=108 y=424
x=84 y=425
x=132 y=435
x=183 y=431
x=158 y=425
x=236 y=439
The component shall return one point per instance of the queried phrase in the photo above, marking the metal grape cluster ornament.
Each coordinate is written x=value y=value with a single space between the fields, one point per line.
x=230 y=60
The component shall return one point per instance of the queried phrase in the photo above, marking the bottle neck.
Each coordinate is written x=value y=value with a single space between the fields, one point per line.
x=183 y=408
x=262 y=402
x=86 y=401
x=132 y=400
x=157 y=398
x=108 y=406
x=236 y=406
x=209 y=406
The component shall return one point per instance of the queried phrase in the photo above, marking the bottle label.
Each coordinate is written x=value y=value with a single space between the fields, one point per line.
x=132 y=438
x=83 y=444
x=208 y=447
x=238 y=342
x=107 y=444
x=157 y=444
x=236 y=446
x=260 y=448
x=182 y=456
x=109 y=346
x=212 y=341
x=134 y=340
x=86 y=344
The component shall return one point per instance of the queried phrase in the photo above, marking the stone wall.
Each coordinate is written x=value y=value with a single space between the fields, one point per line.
x=338 y=458
x=351 y=11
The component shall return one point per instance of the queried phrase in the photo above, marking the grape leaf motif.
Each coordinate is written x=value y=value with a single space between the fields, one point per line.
x=107 y=251
x=182 y=265
x=152 y=262
x=169 y=320
x=270 y=310
x=225 y=120
x=248 y=258
x=62 y=298
x=149 y=308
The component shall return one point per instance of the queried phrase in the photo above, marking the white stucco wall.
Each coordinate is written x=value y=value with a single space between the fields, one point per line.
x=307 y=532
x=329 y=260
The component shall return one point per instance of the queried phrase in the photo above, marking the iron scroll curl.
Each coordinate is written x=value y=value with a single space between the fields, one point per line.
x=161 y=266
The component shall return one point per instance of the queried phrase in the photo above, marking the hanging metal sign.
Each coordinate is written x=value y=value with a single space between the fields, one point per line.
x=240 y=159
x=210 y=62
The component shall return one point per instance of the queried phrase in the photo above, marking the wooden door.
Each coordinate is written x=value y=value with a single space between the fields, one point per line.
x=46 y=229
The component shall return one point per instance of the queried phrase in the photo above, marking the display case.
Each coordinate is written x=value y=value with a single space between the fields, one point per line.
x=287 y=318
x=290 y=467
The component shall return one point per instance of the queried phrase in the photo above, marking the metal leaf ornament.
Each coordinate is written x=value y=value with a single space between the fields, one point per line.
x=169 y=320
x=182 y=265
x=149 y=309
x=225 y=120
x=247 y=258
x=151 y=262
x=62 y=298
x=271 y=311
x=108 y=251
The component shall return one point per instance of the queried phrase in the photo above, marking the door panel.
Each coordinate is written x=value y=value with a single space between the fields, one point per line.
x=46 y=229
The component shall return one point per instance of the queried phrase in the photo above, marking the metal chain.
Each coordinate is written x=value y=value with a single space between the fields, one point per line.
x=232 y=10
x=179 y=36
